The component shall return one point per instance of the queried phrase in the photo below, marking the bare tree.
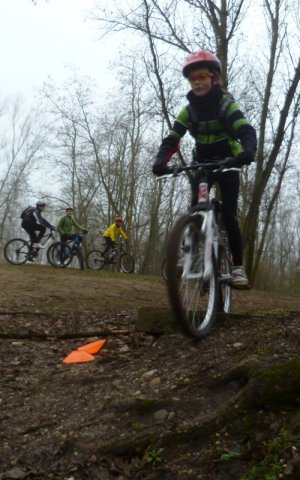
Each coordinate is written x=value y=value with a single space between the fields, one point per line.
x=22 y=140
x=273 y=103
x=276 y=127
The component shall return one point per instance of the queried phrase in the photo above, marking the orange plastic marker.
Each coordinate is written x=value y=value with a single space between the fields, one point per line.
x=92 y=347
x=78 y=356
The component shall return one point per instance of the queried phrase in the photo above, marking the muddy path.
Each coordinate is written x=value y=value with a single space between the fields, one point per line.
x=149 y=406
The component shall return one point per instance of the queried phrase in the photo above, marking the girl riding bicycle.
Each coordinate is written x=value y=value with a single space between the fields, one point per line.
x=112 y=233
x=220 y=130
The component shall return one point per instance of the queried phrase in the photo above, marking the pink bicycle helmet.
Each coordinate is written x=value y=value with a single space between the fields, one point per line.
x=201 y=58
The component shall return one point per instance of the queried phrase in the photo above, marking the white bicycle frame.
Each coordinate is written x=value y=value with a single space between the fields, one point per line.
x=209 y=229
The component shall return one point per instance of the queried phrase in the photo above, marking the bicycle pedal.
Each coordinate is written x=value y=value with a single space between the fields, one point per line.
x=241 y=287
x=226 y=280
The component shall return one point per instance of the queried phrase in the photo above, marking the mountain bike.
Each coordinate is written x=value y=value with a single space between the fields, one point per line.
x=18 y=251
x=97 y=259
x=199 y=283
x=69 y=253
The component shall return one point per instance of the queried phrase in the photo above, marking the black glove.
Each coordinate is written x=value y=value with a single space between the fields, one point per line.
x=160 y=169
x=52 y=228
x=85 y=231
x=245 y=158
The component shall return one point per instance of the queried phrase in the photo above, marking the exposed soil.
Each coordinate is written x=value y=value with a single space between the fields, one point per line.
x=149 y=406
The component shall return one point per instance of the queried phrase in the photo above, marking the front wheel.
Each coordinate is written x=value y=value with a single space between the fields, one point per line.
x=95 y=260
x=194 y=297
x=17 y=251
x=126 y=263
x=164 y=269
x=59 y=254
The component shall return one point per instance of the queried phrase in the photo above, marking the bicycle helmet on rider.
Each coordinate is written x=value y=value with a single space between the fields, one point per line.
x=118 y=219
x=201 y=58
x=40 y=203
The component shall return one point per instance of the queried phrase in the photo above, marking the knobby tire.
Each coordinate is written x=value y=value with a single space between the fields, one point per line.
x=164 y=269
x=127 y=263
x=16 y=251
x=55 y=256
x=95 y=260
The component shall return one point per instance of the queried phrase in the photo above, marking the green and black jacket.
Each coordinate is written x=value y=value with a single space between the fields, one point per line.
x=66 y=224
x=216 y=137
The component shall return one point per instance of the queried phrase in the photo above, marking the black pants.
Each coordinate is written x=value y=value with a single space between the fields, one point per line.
x=31 y=228
x=229 y=184
x=65 y=238
x=109 y=244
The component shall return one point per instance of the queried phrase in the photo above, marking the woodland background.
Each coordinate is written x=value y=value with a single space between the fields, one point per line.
x=69 y=149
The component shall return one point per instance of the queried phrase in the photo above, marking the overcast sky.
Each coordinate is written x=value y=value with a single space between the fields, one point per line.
x=40 y=40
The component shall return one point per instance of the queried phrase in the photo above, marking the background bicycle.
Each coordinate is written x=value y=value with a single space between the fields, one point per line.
x=200 y=282
x=18 y=251
x=97 y=259
x=69 y=253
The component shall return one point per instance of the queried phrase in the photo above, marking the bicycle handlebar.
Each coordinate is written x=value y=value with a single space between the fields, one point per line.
x=228 y=163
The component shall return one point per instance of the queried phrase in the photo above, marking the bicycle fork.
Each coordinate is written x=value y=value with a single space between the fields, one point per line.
x=208 y=232
x=205 y=269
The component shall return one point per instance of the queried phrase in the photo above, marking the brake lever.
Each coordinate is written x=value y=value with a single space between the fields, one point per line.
x=224 y=166
x=173 y=173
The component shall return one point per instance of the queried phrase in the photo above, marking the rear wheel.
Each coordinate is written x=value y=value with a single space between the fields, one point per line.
x=95 y=260
x=126 y=263
x=225 y=281
x=59 y=254
x=193 y=297
x=17 y=251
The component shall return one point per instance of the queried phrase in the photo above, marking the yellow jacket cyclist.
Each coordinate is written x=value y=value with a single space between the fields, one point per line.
x=113 y=232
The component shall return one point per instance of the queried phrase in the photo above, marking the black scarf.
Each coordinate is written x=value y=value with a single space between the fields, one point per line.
x=207 y=107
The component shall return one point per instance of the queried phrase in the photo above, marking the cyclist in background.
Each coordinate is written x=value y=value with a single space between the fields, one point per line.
x=112 y=233
x=33 y=221
x=216 y=137
x=66 y=224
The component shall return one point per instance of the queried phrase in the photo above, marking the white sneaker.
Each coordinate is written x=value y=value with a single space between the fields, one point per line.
x=38 y=245
x=239 y=277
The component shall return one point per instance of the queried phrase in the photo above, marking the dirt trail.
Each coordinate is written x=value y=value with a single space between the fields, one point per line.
x=149 y=406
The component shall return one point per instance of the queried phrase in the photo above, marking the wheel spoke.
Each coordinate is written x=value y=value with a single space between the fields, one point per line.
x=225 y=288
x=17 y=251
x=126 y=263
x=193 y=298
x=59 y=254
x=95 y=260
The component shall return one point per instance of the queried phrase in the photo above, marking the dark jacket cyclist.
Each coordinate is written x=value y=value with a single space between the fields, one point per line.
x=35 y=222
x=214 y=138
